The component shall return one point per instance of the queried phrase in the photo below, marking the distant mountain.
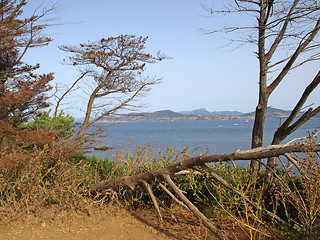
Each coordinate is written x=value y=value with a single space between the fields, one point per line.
x=228 y=113
x=199 y=114
x=201 y=111
x=164 y=114
x=271 y=113
x=205 y=112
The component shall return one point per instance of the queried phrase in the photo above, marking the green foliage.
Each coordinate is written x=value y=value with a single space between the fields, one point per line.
x=99 y=169
x=63 y=123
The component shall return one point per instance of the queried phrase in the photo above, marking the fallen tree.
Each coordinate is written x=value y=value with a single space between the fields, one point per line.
x=158 y=174
x=199 y=164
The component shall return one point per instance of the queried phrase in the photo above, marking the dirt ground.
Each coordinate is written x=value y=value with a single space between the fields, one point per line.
x=100 y=225
x=108 y=224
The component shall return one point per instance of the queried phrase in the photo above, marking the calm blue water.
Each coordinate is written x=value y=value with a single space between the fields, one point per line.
x=220 y=136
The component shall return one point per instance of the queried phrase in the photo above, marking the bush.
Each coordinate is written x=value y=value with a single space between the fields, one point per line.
x=51 y=178
x=99 y=169
x=63 y=124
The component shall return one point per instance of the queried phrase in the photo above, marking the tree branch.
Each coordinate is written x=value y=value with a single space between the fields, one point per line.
x=256 y=153
x=293 y=58
x=172 y=196
x=284 y=130
x=282 y=32
x=213 y=227
x=153 y=198
x=236 y=191
x=62 y=97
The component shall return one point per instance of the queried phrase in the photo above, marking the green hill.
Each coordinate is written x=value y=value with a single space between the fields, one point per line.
x=271 y=113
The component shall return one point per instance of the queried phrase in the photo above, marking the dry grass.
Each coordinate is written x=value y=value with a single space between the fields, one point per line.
x=47 y=180
x=54 y=179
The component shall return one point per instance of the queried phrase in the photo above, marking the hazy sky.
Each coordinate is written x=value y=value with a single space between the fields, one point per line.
x=201 y=72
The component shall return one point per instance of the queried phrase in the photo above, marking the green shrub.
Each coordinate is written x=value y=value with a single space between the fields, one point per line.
x=63 y=123
x=100 y=169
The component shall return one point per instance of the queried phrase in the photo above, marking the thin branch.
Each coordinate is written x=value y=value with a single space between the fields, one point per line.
x=309 y=38
x=282 y=32
x=236 y=191
x=62 y=97
x=121 y=105
x=295 y=163
x=167 y=209
x=172 y=196
x=32 y=34
x=153 y=198
x=295 y=189
x=213 y=227
x=284 y=130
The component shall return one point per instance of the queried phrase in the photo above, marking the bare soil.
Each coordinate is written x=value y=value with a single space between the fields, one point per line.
x=99 y=225
x=111 y=223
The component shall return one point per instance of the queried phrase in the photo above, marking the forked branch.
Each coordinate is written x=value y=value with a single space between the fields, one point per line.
x=210 y=225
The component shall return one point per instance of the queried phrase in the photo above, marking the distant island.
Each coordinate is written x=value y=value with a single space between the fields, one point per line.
x=198 y=114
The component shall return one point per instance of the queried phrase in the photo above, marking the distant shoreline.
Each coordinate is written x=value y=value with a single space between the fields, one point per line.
x=168 y=115
x=200 y=114
x=205 y=118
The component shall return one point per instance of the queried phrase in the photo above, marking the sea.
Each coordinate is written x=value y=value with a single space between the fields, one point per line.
x=218 y=136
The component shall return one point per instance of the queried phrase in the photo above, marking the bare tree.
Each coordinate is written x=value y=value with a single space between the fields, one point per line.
x=286 y=34
x=113 y=68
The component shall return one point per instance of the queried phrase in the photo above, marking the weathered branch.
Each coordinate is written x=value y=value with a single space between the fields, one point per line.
x=153 y=198
x=167 y=209
x=60 y=99
x=190 y=163
x=284 y=130
x=309 y=38
x=213 y=228
x=172 y=196
x=256 y=153
x=282 y=32
x=236 y=191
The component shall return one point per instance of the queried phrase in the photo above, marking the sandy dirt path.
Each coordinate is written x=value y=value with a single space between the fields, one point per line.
x=99 y=226
x=111 y=223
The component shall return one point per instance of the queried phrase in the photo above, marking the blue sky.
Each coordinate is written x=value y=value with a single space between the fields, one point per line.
x=201 y=72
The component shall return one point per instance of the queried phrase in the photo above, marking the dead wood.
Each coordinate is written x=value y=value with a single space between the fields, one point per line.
x=153 y=198
x=190 y=163
x=172 y=196
x=241 y=194
x=156 y=175
x=214 y=228
x=167 y=209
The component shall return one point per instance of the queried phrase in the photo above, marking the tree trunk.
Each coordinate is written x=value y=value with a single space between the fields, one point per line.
x=257 y=134
x=261 y=109
x=3 y=115
x=3 y=109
